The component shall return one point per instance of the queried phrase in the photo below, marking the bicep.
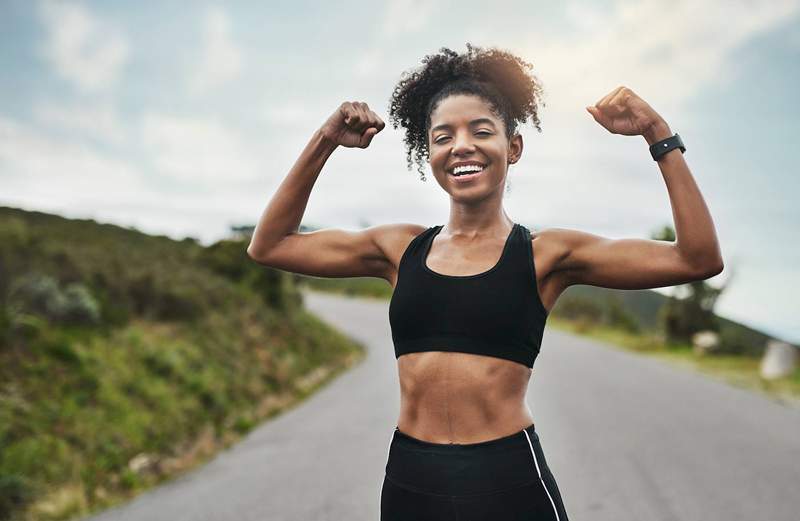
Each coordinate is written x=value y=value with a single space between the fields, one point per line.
x=624 y=263
x=329 y=252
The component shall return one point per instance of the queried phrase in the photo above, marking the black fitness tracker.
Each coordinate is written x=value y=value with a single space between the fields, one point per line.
x=660 y=148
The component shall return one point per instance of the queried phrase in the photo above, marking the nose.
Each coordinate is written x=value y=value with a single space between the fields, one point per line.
x=462 y=144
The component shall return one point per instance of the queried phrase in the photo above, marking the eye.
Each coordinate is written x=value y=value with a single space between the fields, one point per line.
x=480 y=133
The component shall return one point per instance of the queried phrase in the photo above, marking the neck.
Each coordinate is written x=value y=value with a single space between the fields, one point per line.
x=471 y=224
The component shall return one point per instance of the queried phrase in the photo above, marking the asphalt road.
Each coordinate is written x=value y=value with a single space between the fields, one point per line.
x=627 y=438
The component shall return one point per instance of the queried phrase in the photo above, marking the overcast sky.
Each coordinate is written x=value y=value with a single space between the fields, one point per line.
x=182 y=118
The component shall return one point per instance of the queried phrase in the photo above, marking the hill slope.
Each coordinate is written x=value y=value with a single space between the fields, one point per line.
x=126 y=357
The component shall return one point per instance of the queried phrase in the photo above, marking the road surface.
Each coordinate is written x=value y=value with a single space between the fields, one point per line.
x=627 y=438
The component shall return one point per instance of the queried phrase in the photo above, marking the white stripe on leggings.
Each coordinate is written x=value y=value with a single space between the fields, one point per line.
x=536 y=462
x=389 y=447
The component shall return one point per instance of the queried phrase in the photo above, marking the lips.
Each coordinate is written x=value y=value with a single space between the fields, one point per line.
x=465 y=163
x=464 y=178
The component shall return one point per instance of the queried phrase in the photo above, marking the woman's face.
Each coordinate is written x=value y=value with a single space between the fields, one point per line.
x=465 y=130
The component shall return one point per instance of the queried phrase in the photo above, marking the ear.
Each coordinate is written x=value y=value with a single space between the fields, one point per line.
x=515 y=148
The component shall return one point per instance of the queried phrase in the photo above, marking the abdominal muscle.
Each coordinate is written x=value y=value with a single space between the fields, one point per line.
x=452 y=397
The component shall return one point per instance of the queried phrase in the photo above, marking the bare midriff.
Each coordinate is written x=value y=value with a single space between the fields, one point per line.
x=452 y=397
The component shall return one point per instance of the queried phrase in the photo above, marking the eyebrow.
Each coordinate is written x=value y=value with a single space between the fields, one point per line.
x=473 y=122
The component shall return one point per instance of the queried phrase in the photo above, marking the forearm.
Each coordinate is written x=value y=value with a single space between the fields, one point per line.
x=285 y=210
x=696 y=236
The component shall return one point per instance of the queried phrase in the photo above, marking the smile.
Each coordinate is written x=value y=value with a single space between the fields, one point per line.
x=462 y=175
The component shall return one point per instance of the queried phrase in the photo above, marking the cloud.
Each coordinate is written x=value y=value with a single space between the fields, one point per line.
x=199 y=150
x=406 y=16
x=222 y=60
x=52 y=173
x=41 y=172
x=400 y=18
x=292 y=113
x=667 y=56
x=98 y=121
x=672 y=53
x=84 y=49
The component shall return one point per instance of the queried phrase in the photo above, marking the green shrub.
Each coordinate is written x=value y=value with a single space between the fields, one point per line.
x=42 y=457
x=80 y=307
x=736 y=341
x=575 y=307
x=41 y=295
x=618 y=316
x=36 y=293
x=15 y=492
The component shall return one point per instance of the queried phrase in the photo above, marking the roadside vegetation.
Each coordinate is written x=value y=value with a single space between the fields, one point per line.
x=127 y=359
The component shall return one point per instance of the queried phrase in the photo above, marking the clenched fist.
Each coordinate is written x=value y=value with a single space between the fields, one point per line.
x=621 y=111
x=353 y=124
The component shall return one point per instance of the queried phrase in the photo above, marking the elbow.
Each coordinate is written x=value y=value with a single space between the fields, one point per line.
x=702 y=265
x=710 y=269
x=253 y=254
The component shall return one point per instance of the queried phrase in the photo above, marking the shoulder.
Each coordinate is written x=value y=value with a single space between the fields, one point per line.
x=557 y=239
x=389 y=235
x=564 y=239
x=549 y=247
x=563 y=249
x=393 y=240
x=554 y=245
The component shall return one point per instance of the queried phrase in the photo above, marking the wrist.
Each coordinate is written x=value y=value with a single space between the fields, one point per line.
x=327 y=143
x=657 y=131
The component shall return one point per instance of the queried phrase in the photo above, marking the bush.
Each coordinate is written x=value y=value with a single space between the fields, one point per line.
x=580 y=308
x=618 y=316
x=79 y=306
x=732 y=341
x=37 y=294
x=5 y=326
x=180 y=304
x=15 y=493
x=40 y=295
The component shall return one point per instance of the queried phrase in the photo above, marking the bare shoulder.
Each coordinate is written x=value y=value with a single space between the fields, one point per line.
x=393 y=239
x=550 y=246
x=565 y=237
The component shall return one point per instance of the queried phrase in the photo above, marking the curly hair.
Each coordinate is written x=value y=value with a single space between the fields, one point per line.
x=497 y=76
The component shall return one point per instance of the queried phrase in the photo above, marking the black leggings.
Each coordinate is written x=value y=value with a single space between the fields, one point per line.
x=503 y=479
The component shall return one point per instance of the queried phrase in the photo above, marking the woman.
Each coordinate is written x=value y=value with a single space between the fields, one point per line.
x=471 y=297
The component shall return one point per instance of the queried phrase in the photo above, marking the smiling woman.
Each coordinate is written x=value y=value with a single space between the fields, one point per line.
x=471 y=298
x=502 y=80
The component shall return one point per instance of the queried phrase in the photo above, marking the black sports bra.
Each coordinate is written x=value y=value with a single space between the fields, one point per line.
x=496 y=313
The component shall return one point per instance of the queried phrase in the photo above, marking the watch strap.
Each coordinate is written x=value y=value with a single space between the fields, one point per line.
x=659 y=148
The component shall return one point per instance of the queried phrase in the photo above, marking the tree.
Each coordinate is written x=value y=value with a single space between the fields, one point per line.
x=690 y=308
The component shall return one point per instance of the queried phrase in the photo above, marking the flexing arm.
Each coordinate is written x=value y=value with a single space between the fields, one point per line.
x=276 y=241
x=641 y=263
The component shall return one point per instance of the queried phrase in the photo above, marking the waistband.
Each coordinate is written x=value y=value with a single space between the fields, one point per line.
x=459 y=469
x=515 y=440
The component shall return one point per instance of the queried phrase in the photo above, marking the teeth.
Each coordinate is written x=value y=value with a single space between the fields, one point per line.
x=469 y=168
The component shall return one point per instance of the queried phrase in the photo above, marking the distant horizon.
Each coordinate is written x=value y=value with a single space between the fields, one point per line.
x=183 y=122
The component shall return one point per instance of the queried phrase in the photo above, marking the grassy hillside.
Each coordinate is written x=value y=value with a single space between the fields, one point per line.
x=127 y=358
